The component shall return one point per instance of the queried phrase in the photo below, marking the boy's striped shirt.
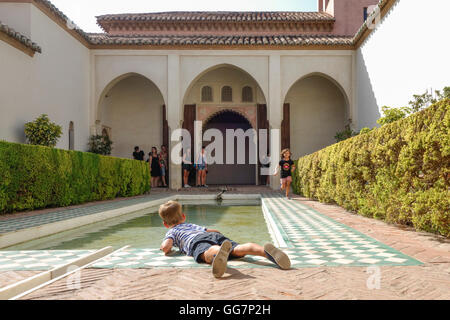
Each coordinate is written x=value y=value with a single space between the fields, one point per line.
x=182 y=235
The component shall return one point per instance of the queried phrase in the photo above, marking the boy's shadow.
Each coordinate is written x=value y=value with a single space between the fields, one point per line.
x=233 y=273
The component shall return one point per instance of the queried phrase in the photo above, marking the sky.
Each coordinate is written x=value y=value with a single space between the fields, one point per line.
x=83 y=12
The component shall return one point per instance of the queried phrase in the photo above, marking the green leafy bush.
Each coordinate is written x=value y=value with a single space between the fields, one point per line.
x=33 y=177
x=100 y=144
x=345 y=134
x=419 y=102
x=399 y=173
x=42 y=132
x=392 y=114
x=365 y=130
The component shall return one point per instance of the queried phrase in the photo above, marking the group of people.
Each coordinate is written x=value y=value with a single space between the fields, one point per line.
x=158 y=162
x=159 y=167
x=201 y=166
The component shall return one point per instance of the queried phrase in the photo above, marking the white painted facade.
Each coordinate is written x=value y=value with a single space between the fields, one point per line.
x=123 y=90
x=407 y=54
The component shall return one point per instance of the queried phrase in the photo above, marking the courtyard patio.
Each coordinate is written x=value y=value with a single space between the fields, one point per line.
x=335 y=255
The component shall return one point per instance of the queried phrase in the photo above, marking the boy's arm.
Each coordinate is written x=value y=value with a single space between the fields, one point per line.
x=166 y=246
x=212 y=230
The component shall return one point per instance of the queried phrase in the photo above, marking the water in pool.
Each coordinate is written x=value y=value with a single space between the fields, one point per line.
x=242 y=223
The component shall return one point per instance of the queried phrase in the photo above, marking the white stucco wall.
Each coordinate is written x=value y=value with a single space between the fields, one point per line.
x=317 y=112
x=55 y=82
x=407 y=54
x=133 y=111
x=15 y=99
x=17 y=16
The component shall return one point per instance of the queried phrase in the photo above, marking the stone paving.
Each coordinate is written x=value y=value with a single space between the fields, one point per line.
x=430 y=280
x=311 y=238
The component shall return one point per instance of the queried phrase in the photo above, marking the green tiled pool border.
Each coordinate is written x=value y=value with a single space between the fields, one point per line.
x=281 y=212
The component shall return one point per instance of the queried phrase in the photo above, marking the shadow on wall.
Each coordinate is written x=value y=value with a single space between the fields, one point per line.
x=20 y=133
x=368 y=109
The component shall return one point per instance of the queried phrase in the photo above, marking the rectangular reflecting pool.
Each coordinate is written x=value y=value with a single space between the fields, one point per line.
x=242 y=222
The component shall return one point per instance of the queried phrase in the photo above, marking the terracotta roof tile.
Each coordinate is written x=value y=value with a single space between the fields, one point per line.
x=217 y=16
x=59 y=14
x=282 y=40
x=10 y=32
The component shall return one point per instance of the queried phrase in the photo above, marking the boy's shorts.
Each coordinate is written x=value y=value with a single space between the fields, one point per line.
x=206 y=240
x=287 y=179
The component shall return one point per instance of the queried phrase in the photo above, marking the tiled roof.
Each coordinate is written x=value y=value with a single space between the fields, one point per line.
x=216 y=16
x=10 y=32
x=190 y=40
x=100 y=39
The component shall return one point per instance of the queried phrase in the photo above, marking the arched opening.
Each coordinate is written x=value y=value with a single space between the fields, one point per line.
x=105 y=132
x=318 y=107
x=230 y=174
x=71 y=136
x=247 y=94
x=131 y=112
x=226 y=111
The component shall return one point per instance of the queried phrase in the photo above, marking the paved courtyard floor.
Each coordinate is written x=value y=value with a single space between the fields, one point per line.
x=335 y=254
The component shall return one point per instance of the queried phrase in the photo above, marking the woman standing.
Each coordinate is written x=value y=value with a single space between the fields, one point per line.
x=155 y=169
x=202 y=168
x=186 y=165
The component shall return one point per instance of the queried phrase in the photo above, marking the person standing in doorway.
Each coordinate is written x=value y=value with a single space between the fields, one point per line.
x=155 y=169
x=138 y=154
x=286 y=166
x=202 y=168
x=186 y=165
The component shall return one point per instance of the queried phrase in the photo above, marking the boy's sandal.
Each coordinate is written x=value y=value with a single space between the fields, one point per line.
x=277 y=256
x=219 y=264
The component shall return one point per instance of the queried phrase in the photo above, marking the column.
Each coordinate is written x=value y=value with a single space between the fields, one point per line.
x=274 y=109
x=174 y=111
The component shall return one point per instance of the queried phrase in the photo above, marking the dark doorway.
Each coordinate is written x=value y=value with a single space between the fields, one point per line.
x=231 y=174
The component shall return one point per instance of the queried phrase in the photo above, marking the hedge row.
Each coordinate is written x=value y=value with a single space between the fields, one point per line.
x=33 y=177
x=399 y=173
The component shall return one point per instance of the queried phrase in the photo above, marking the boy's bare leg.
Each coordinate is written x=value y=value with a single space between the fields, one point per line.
x=208 y=255
x=277 y=256
x=248 y=249
x=288 y=186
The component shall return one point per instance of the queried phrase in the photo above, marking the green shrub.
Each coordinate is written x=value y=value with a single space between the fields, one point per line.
x=345 y=134
x=392 y=114
x=33 y=177
x=42 y=132
x=100 y=144
x=399 y=173
x=365 y=130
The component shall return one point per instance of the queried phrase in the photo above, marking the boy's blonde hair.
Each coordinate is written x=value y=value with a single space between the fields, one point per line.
x=284 y=151
x=170 y=212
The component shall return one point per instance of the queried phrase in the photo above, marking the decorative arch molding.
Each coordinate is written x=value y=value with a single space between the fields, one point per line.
x=206 y=113
x=329 y=78
x=209 y=65
x=115 y=81
x=110 y=69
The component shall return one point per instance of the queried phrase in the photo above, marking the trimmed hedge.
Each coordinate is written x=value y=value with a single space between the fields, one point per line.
x=33 y=177
x=399 y=173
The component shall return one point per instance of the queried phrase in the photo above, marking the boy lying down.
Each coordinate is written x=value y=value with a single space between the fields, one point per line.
x=209 y=245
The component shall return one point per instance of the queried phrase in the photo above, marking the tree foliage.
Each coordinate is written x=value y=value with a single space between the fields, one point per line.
x=42 y=132
x=100 y=144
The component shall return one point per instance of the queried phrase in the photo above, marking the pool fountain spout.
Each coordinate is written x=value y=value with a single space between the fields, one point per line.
x=219 y=196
